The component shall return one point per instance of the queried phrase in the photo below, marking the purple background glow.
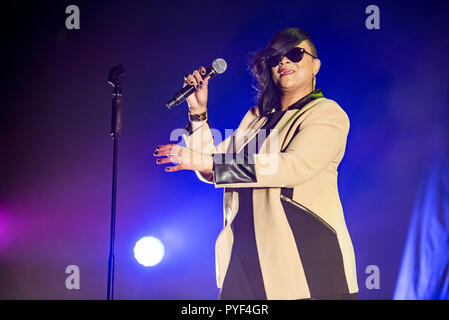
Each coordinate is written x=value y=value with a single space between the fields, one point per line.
x=56 y=153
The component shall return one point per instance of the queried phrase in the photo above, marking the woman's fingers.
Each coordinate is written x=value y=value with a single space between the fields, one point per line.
x=168 y=149
x=202 y=71
x=163 y=160
x=189 y=79
x=173 y=153
x=183 y=158
x=198 y=78
x=174 y=168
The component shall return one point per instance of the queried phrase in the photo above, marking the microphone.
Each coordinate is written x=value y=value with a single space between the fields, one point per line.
x=218 y=66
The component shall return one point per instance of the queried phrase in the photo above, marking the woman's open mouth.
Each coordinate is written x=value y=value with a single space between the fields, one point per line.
x=285 y=72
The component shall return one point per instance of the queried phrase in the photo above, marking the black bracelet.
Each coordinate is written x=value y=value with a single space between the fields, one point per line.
x=198 y=116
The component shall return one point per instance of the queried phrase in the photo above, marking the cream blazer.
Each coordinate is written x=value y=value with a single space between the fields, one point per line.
x=309 y=147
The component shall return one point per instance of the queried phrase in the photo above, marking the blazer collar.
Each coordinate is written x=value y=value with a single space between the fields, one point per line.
x=318 y=93
x=289 y=114
x=258 y=122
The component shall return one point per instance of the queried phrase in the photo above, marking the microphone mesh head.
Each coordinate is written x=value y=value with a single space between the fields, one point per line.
x=219 y=65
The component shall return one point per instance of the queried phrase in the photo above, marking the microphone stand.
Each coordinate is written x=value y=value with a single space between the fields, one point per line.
x=115 y=77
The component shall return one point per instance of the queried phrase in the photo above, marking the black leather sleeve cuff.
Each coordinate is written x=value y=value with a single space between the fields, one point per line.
x=233 y=168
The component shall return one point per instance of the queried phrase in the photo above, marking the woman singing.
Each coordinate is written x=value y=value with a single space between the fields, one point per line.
x=284 y=234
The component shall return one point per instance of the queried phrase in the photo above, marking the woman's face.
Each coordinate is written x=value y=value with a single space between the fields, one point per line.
x=303 y=71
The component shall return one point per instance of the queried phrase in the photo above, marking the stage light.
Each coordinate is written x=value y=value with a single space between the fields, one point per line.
x=149 y=251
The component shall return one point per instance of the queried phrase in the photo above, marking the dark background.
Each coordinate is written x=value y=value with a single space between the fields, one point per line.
x=56 y=152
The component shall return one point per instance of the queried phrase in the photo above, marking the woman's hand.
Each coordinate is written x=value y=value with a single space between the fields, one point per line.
x=197 y=101
x=184 y=158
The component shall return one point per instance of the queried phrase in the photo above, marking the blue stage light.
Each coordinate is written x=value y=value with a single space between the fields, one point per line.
x=149 y=251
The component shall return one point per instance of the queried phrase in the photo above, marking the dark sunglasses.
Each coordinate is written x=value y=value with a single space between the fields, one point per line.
x=294 y=55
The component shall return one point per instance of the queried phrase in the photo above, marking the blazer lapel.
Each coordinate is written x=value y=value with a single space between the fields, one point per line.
x=246 y=132
x=283 y=129
x=244 y=135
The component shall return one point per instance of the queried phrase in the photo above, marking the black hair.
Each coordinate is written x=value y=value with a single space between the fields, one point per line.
x=268 y=94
